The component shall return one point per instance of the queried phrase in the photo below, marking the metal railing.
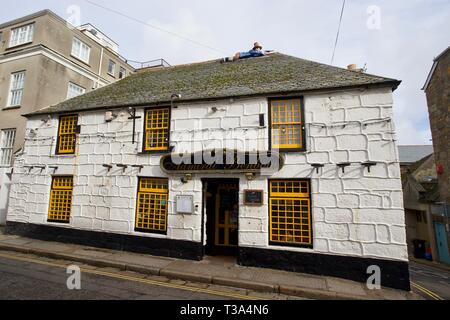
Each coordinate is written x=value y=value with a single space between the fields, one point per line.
x=149 y=64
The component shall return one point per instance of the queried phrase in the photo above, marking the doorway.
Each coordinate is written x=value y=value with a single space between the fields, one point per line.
x=442 y=242
x=222 y=216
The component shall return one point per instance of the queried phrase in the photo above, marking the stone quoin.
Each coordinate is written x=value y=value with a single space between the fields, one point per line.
x=334 y=206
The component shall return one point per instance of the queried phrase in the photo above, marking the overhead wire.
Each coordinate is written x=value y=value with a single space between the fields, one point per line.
x=338 y=32
x=174 y=34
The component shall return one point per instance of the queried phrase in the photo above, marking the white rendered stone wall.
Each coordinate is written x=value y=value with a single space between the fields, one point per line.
x=5 y=183
x=355 y=213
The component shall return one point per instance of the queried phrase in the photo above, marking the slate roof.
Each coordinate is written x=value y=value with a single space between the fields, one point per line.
x=273 y=74
x=412 y=154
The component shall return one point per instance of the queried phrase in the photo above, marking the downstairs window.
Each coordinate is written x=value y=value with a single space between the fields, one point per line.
x=290 y=213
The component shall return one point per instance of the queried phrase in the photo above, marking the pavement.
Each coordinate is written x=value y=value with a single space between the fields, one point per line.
x=211 y=271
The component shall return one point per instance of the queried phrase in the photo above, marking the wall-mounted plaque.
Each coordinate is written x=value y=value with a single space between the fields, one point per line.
x=185 y=204
x=253 y=197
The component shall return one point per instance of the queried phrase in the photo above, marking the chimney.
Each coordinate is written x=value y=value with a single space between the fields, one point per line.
x=352 y=67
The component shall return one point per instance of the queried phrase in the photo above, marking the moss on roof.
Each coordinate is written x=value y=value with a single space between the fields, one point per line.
x=272 y=74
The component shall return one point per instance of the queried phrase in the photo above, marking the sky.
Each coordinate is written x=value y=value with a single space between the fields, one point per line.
x=397 y=39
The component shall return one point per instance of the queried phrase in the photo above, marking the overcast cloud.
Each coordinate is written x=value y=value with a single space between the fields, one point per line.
x=401 y=44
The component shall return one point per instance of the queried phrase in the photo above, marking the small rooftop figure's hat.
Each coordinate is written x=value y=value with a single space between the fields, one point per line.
x=257 y=46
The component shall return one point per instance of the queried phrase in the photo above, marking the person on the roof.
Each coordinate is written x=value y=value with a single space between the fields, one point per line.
x=254 y=53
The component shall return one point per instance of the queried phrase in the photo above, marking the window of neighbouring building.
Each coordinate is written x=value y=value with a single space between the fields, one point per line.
x=122 y=73
x=74 y=90
x=111 y=68
x=60 y=200
x=287 y=124
x=290 y=213
x=7 y=138
x=67 y=134
x=81 y=50
x=21 y=35
x=152 y=204
x=157 y=127
x=16 y=89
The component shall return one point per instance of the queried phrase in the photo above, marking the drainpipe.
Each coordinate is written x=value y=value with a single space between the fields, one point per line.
x=100 y=68
x=432 y=234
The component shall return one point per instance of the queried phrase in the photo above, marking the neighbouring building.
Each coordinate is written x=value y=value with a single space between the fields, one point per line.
x=43 y=61
x=175 y=162
x=410 y=154
x=437 y=89
x=421 y=193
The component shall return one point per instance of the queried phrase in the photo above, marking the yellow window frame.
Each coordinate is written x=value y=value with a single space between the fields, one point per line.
x=152 y=205
x=290 y=219
x=67 y=134
x=287 y=124
x=157 y=129
x=60 y=206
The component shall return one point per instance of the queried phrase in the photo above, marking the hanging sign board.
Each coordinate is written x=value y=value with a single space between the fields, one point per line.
x=185 y=204
x=253 y=197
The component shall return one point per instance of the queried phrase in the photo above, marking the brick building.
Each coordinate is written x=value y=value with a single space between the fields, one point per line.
x=437 y=89
x=173 y=162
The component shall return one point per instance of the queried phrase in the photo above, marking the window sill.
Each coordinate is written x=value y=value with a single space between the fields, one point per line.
x=146 y=153
x=111 y=75
x=278 y=245
x=144 y=231
x=291 y=151
x=58 y=222
x=78 y=59
x=18 y=46
x=65 y=155
x=11 y=108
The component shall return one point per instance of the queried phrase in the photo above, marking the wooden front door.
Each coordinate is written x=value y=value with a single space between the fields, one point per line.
x=222 y=212
x=227 y=215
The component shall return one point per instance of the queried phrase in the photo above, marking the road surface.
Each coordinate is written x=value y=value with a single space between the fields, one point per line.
x=26 y=277
x=431 y=283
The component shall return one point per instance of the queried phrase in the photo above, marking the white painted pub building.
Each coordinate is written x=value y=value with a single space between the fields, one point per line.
x=282 y=162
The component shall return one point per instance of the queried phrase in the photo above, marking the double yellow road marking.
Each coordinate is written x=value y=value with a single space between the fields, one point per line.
x=426 y=291
x=135 y=279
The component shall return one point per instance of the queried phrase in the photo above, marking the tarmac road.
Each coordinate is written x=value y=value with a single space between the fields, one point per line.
x=431 y=283
x=25 y=277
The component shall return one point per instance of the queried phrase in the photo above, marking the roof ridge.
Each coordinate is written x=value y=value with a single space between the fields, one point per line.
x=274 y=74
x=337 y=67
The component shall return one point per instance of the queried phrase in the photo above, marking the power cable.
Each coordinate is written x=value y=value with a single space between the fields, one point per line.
x=155 y=27
x=338 y=32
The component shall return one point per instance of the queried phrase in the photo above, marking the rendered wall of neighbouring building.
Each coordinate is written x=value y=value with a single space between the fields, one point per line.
x=56 y=34
x=355 y=213
x=5 y=181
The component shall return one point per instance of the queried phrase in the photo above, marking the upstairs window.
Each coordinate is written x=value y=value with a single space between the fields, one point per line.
x=21 y=35
x=287 y=125
x=111 y=68
x=60 y=200
x=156 y=129
x=67 y=134
x=80 y=50
x=74 y=90
x=122 y=73
x=7 y=138
x=16 y=89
